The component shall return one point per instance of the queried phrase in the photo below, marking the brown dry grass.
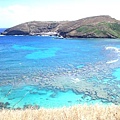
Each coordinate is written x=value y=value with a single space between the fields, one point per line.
x=80 y=112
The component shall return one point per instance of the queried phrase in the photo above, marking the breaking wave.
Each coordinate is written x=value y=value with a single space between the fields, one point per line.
x=117 y=50
x=112 y=61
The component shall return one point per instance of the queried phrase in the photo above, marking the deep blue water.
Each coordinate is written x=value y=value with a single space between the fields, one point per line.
x=50 y=72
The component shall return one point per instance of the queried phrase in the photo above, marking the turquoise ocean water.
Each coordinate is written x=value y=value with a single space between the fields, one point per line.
x=52 y=72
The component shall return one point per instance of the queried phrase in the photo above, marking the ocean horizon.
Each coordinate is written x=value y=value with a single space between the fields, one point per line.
x=2 y=29
x=50 y=72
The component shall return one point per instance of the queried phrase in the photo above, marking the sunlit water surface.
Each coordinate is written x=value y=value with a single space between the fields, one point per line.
x=51 y=72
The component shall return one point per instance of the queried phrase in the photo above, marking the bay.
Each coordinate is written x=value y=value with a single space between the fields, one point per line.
x=51 y=72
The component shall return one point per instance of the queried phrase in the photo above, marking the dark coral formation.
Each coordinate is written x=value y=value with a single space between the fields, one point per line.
x=4 y=105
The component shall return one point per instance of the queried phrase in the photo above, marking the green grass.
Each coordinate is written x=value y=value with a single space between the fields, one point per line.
x=102 y=28
x=86 y=29
x=114 y=26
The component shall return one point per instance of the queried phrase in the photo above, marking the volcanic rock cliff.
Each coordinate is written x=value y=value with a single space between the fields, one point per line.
x=91 y=27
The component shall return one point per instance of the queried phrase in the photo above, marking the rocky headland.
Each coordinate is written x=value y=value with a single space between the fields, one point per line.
x=91 y=27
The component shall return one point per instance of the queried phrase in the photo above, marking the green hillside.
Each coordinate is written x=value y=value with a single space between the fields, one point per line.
x=102 y=26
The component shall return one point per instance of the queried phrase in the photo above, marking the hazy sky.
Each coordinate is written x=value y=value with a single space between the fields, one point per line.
x=13 y=12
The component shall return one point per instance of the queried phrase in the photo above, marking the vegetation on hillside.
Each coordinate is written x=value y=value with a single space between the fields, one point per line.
x=101 y=29
x=90 y=27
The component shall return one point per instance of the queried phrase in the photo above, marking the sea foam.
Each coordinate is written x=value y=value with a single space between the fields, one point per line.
x=113 y=48
x=112 y=61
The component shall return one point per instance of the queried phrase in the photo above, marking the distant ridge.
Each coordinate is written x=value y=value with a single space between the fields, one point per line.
x=102 y=26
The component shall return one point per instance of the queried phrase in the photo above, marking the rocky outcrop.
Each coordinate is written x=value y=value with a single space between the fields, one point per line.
x=91 y=27
x=32 y=28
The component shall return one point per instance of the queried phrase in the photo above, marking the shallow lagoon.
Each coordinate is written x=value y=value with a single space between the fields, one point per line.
x=52 y=72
